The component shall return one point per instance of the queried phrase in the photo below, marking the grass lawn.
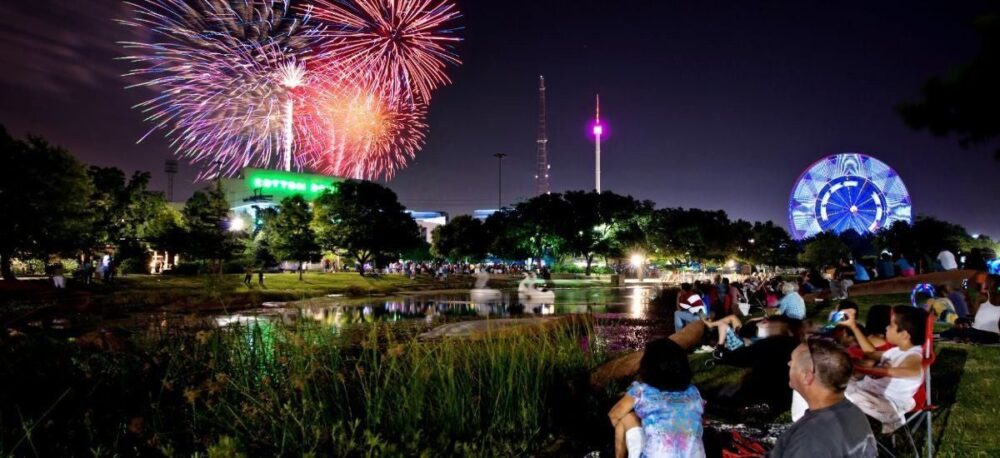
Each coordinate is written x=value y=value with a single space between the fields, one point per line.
x=277 y=286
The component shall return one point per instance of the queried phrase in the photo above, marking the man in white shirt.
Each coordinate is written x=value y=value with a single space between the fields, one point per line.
x=947 y=260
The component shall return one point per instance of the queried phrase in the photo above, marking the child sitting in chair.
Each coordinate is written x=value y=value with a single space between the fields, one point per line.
x=886 y=392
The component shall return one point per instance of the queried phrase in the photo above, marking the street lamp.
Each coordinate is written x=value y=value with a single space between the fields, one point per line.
x=500 y=157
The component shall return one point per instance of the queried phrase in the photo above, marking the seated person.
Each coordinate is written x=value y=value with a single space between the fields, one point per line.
x=874 y=328
x=904 y=267
x=843 y=280
x=885 y=269
x=861 y=273
x=767 y=382
x=729 y=326
x=805 y=285
x=985 y=329
x=941 y=306
x=791 y=304
x=957 y=298
x=888 y=394
x=689 y=307
x=818 y=372
x=660 y=415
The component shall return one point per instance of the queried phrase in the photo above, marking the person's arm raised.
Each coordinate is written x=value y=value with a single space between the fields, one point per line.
x=850 y=322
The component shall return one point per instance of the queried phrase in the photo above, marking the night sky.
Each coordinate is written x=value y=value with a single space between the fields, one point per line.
x=710 y=104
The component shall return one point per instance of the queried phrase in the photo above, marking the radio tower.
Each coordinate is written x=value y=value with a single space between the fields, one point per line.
x=170 y=167
x=542 y=171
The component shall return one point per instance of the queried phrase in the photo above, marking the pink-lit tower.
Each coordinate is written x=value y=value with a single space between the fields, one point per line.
x=542 y=167
x=598 y=131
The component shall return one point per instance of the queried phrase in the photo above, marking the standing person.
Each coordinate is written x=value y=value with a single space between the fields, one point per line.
x=260 y=276
x=947 y=260
x=819 y=371
x=660 y=415
x=247 y=275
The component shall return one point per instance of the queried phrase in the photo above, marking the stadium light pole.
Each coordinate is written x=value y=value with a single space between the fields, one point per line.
x=500 y=157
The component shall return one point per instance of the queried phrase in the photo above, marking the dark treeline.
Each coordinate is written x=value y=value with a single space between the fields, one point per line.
x=54 y=206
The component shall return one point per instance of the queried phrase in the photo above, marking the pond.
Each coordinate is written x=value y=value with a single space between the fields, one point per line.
x=624 y=316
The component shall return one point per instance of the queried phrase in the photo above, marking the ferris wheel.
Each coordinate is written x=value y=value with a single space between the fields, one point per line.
x=847 y=191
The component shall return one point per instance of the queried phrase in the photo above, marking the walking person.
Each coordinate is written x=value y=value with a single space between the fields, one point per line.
x=248 y=276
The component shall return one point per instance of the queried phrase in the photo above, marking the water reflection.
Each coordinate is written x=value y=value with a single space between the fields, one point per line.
x=627 y=303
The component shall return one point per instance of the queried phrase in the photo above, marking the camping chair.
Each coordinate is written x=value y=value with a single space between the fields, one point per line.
x=921 y=413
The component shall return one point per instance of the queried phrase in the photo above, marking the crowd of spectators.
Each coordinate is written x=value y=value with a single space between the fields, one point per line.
x=838 y=378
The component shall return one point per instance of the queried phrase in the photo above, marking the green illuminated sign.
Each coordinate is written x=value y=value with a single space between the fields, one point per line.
x=285 y=184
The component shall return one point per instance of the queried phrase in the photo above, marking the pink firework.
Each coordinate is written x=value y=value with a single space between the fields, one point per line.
x=403 y=46
x=258 y=83
x=360 y=132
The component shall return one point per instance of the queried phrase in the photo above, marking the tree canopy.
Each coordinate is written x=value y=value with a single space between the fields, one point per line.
x=364 y=221
x=289 y=232
x=965 y=102
x=43 y=199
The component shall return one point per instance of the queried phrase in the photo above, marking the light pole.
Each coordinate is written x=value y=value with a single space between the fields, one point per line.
x=500 y=157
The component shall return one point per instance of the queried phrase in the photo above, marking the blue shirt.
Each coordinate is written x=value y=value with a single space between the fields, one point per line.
x=792 y=306
x=860 y=273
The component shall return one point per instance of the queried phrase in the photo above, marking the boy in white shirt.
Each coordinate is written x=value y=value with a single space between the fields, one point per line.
x=886 y=394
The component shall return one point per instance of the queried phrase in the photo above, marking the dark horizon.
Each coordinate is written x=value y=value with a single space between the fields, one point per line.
x=709 y=105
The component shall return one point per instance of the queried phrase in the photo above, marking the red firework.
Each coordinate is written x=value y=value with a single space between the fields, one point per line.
x=403 y=46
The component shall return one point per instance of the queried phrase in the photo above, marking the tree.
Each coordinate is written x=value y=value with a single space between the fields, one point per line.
x=462 y=238
x=861 y=245
x=540 y=225
x=206 y=216
x=965 y=103
x=689 y=234
x=763 y=244
x=123 y=210
x=505 y=236
x=823 y=249
x=922 y=240
x=290 y=234
x=602 y=224
x=363 y=221
x=43 y=200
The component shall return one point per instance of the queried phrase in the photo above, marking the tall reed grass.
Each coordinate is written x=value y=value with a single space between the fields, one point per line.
x=272 y=389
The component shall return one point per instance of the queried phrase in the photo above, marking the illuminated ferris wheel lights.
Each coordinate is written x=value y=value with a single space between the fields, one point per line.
x=847 y=191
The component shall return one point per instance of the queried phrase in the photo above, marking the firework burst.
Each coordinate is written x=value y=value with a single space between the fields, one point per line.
x=339 y=88
x=403 y=46
x=225 y=74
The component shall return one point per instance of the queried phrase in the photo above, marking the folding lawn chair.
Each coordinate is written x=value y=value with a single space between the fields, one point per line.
x=921 y=414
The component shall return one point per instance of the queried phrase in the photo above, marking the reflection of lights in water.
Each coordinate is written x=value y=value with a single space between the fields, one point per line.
x=229 y=320
x=637 y=302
